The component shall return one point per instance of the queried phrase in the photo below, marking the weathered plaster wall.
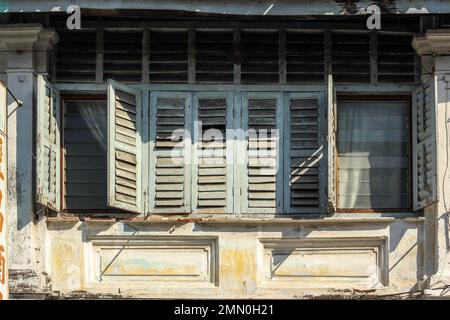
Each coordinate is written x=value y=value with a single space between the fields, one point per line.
x=20 y=63
x=302 y=258
x=216 y=260
x=442 y=215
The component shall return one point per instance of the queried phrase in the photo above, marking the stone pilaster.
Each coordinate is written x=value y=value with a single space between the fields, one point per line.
x=25 y=49
x=434 y=47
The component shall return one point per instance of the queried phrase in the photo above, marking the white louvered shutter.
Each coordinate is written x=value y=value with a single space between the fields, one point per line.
x=305 y=163
x=424 y=145
x=48 y=145
x=124 y=147
x=213 y=170
x=171 y=158
x=262 y=185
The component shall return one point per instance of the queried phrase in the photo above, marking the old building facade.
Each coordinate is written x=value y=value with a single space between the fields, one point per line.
x=233 y=150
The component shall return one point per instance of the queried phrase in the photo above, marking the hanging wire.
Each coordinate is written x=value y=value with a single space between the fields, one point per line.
x=19 y=102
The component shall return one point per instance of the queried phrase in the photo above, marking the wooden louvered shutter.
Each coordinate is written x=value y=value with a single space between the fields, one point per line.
x=424 y=145
x=124 y=147
x=331 y=145
x=48 y=145
x=305 y=163
x=171 y=159
x=262 y=187
x=213 y=171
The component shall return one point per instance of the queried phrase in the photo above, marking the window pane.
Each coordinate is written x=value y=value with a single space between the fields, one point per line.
x=85 y=151
x=373 y=154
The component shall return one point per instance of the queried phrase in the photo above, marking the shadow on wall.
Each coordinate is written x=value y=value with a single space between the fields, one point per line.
x=20 y=126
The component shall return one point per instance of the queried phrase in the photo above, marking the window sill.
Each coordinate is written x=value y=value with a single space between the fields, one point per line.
x=241 y=220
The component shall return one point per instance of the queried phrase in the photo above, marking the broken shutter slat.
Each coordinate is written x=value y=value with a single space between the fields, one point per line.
x=304 y=163
x=124 y=147
x=48 y=145
x=212 y=182
x=262 y=118
x=170 y=167
x=424 y=145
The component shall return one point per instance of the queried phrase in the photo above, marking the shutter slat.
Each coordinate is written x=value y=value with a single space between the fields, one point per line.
x=212 y=56
x=170 y=120
x=304 y=154
x=124 y=153
x=261 y=63
x=424 y=145
x=48 y=145
x=168 y=56
x=211 y=150
x=262 y=154
x=122 y=56
x=76 y=56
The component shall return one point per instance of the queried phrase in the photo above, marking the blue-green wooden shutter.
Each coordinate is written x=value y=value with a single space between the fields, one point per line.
x=48 y=160
x=305 y=155
x=424 y=144
x=170 y=152
x=262 y=187
x=212 y=176
x=124 y=147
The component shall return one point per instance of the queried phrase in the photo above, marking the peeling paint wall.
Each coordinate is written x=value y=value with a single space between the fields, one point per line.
x=346 y=254
x=234 y=261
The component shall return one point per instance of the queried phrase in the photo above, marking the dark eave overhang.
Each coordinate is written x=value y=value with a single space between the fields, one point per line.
x=238 y=7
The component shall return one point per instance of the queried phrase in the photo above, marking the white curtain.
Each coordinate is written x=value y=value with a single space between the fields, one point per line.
x=93 y=113
x=373 y=158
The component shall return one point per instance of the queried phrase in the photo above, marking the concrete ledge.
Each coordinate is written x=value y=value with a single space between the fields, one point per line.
x=262 y=221
x=433 y=42
x=239 y=220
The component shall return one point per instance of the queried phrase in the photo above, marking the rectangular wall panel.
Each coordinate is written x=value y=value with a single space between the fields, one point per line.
x=158 y=260
x=322 y=262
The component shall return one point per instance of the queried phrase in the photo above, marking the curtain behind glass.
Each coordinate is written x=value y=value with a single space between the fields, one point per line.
x=373 y=160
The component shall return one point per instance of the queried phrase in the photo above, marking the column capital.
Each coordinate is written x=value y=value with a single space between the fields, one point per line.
x=434 y=41
x=27 y=46
x=20 y=36
x=47 y=39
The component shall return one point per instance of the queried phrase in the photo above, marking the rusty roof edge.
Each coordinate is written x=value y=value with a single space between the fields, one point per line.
x=237 y=7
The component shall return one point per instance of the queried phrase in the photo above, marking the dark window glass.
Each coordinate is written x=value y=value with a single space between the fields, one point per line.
x=85 y=152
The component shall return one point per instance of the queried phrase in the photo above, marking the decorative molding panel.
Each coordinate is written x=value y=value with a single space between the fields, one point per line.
x=325 y=262
x=154 y=260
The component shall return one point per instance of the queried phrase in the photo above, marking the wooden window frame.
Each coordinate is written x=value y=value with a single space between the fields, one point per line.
x=78 y=98
x=379 y=98
x=95 y=92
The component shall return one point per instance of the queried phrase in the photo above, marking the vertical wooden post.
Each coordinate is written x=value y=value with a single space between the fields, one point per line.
x=373 y=57
x=191 y=56
x=99 y=58
x=327 y=49
x=282 y=56
x=417 y=68
x=146 y=56
x=237 y=67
